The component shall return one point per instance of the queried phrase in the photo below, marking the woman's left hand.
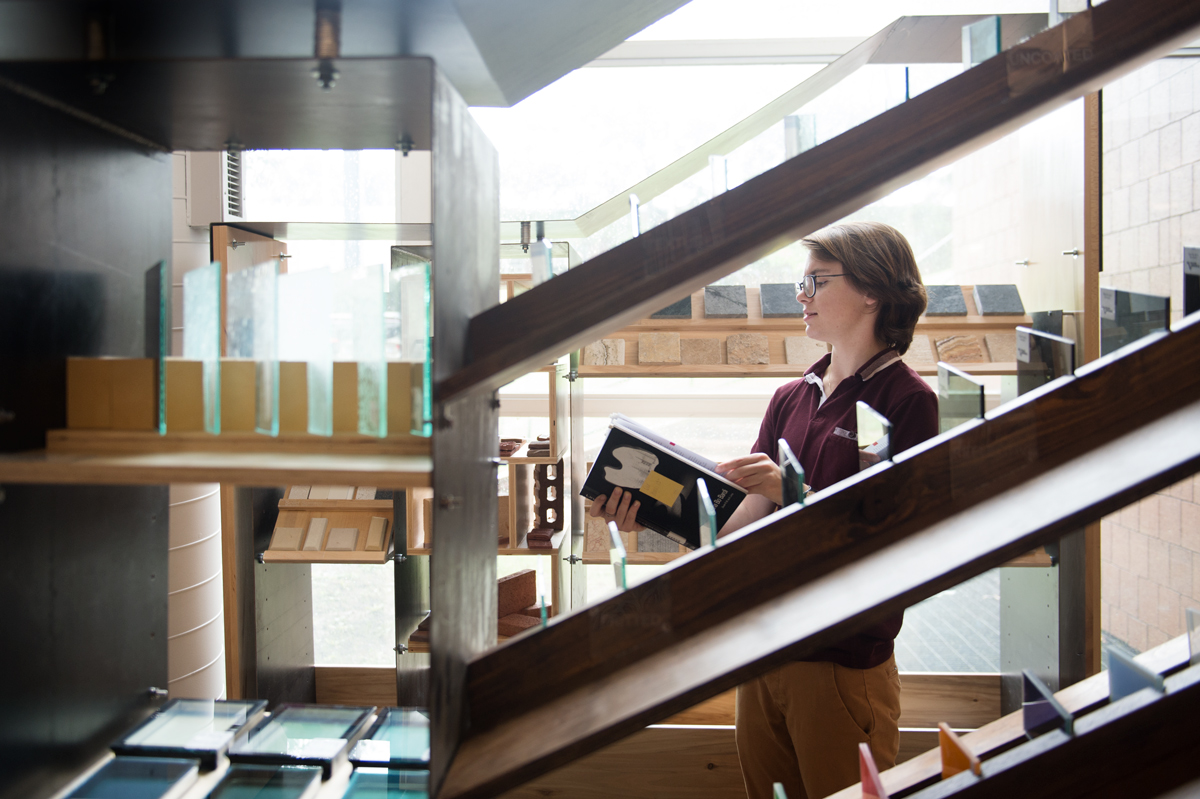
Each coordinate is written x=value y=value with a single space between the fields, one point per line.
x=756 y=473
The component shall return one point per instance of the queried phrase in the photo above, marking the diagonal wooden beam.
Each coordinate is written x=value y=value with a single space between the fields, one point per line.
x=820 y=186
x=960 y=504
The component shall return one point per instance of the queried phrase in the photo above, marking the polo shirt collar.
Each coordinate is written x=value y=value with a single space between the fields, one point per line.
x=874 y=365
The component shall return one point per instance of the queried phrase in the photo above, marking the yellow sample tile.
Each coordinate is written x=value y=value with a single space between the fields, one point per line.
x=315 y=537
x=293 y=397
x=89 y=394
x=399 y=397
x=956 y=757
x=345 y=398
x=134 y=394
x=185 y=396
x=664 y=489
x=237 y=396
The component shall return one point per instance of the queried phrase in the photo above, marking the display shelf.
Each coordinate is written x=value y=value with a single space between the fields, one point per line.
x=138 y=442
x=338 y=513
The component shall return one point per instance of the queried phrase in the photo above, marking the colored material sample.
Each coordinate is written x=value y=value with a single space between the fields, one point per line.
x=298 y=492
x=375 y=534
x=399 y=738
x=664 y=489
x=605 y=352
x=920 y=351
x=287 y=538
x=999 y=300
x=956 y=757
x=676 y=310
x=266 y=782
x=1002 y=347
x=1126 y=676
x=700 y=351
x=872 y=785
x=202 y=292
x=191 y=728
x=725 y=302
x=945 y=301
x=779 y=301
x=342 y=539
x=516 y=623
x=658 y=348
x=747 y=348
x=306 y=340
x=1040 y=711
x=962 y=349
x=803 y=351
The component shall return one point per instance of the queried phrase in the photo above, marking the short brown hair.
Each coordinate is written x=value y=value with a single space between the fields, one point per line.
x=878 y=262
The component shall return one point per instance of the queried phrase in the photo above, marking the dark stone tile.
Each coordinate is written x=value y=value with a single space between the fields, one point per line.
x=725 y=302
x=1001 y=300
x=676 y=310
x=945 y=301
x=779 y=301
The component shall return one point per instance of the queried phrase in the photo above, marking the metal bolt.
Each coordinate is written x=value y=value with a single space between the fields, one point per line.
x=400 y=649
x=399 y=558
x=404 y=145
x=573 y=559
x=157 y=693
x=260 y=557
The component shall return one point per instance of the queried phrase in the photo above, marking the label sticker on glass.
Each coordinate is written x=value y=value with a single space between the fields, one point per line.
x=1108 y=304
x=664 y=489
x=1191 y=260
x=1023 y=346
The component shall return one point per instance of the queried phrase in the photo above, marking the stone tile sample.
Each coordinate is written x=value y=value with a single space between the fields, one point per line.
x=999 y=300
x=676 y=310
x=779 y=301
x=803 y=351
x=700 y=350
x=342 y=539
x=650 y=541
x=287 y=538
x=377 y=530
x=962 y=349
x=945 y=301
x=605 y=352
x=658 y=348
x=516 y=591
x=920 y=351
x=725 y=302
x=597 y=535
x=744 y=348
x=516 y=623
x=1002 y=347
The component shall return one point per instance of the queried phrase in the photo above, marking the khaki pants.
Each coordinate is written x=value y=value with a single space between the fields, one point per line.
x=801 y=725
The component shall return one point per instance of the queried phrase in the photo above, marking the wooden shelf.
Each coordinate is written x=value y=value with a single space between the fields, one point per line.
x=136 y=442
x=355 y=513
x=555 y=543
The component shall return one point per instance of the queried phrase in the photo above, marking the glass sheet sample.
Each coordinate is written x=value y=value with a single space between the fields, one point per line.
x=616 y=555
x=1126 y=316
x=202 y=335
x=358 y=336
x=1126 y=676
x=158 y=333
x=980 y=41
x=874 y=436
x=301 y=734
x=708 y=515
x=1040 y=711
x=268 y=782
x=960 y=397
x=252 y=331
x=399 y=738
x=1193 y=625
x=408 y=315
x=191 y=728
x=306 y=334
x=1042 y=357
x=378 y=783
x=139 y=778
x=793 y=475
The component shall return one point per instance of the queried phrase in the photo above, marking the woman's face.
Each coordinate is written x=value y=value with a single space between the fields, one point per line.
x=837 y=313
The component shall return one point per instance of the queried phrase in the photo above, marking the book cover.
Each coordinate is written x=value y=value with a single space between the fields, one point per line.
x=662 y=476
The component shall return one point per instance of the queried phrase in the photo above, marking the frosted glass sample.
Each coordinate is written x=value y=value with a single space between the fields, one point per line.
x=268 y=782
x=617 y=555
x=980 y=41
x=381 y=783
x=301 y=735
x=408 y=332
x=252 y=331
x=358 y=336
x=316 y=534
x=399 y=739
x=793 y=475
x=708 y=515
x=874 y=436
x=306 y=334
x=158 y=334
x=139 y=778
x=960 y=397
x=202 y=335
x=1126 y=676
x=191 y=728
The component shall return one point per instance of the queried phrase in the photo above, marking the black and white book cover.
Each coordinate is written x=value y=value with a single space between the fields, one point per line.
x=662 y=476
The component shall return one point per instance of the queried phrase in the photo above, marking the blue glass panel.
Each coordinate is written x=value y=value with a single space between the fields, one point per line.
x=266 y=782
x=1126 y=676
x=137 y=778
x=373 y=783
x=399 y=738
x=1040 y=711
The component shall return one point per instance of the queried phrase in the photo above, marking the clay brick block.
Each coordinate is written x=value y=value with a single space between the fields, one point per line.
x=516 y=623
x=1002 y=347
x=535 y=611
x=700 y=350
x=803 y=351
x=658 y=348
x=920 y=351
x=745 y=348
x=516 y=591
x=605 y=352
x=962 y=349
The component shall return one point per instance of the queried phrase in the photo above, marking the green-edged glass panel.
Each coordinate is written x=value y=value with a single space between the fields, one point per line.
x=252 y=331
x=1126 y=316
x=874 y=436
x=138 y=778
x=617 y=556
x=158 y=334
x=358 y=335
x=379 y=783
x=1042 y=357
x=268 y=782
x=399 y=738
x=792 y=475
x=306 y=334
x=960 y=397
x=408 y=315
x=1193 y=627
x=980 y=41
x=202 y=335
x=708 y=515
x=191 y=728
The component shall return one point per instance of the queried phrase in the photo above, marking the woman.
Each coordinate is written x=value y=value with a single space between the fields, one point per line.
x=862 y=294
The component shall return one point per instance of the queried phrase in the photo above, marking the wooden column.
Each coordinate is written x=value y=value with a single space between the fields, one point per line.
x=1093 y=265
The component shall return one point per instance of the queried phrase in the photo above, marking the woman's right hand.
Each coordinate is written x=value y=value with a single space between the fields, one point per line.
x=620 y=508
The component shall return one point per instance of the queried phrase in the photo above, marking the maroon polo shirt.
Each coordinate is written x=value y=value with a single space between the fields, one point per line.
x=824 y=436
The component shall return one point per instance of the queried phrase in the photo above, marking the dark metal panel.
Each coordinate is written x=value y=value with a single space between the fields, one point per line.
x=283 y=618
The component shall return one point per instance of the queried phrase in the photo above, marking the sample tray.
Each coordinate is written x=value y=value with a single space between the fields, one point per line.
x=399 y=738
x=268 y=782
x=380 y=783
x=302 y=735
x=139 y=778
x=191 y=728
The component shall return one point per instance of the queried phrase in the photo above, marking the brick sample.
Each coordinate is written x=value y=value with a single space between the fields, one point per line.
x=725 y=302
x=744 y=348
x=515 y=591
x=658 y=348
x=700 y=351
x=517 y=623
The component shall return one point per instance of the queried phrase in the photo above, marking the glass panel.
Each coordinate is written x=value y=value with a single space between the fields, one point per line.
x=778 y=791
x=616 y=555
x=1042 y=357
x=399 y=738
x=1126 y=676
x=302 y=733
x=202 y=335
x=158 y=332
x=306 y=335
x=708 y=515
x=980 y=41
x=193 y=724
x=266 y=782
x=1126 y=316
x=874 y=436
x=358 y=335
x=252 y=331
x=960 y=397
x=137 y=778
x=793 y=475
x=377 y=783
x=408 y=313
x=1040 y=711
x=1193 y=624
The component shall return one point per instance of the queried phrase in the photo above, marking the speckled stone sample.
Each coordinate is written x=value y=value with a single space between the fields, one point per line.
x=743 y=348
x=650 y=541
x=676 y=310
x=725 y=302
x=803 y=351
x=962 y=349
x=945 y=301
x=999 y=300
x=1002 y=347
x=658 y=348
x=779 y=301
x=700 y=350
x=920 y=351
x=605 y=352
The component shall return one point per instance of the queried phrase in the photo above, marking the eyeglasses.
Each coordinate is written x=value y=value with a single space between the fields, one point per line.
x=808 y=284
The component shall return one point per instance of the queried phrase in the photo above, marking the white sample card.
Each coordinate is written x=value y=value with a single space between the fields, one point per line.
x=318 y=492
x=1108 y=303
x=1023 y=349
x=316 y=534
x=1191 y=260
x=341 y=492
x=287 y=538
x=298 y=492
x=375 y=533
x=365 y=492
x=342 y=539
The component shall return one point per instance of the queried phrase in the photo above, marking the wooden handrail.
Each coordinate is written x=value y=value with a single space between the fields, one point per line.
x=820 y=186
x=962 y=503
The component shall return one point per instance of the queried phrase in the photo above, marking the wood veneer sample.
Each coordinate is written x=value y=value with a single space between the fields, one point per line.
x=375 y=534
x=342 y=539
x=89 y=394
x=400 y=377
x=237 y=395
x=293 y=397
x=316 y=534
x=345 y=397
x=286 y=538
x=185 y=396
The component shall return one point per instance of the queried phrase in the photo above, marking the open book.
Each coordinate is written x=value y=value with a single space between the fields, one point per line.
x=662 y=475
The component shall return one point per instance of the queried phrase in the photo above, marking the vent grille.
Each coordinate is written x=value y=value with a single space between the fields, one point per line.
x=233 y=184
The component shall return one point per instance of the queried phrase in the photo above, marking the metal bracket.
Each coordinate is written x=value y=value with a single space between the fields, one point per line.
x=573 y=559
x=157 y=693
x=400 y=649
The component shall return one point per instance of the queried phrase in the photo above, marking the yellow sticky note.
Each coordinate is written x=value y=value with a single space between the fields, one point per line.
x=664 y=489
